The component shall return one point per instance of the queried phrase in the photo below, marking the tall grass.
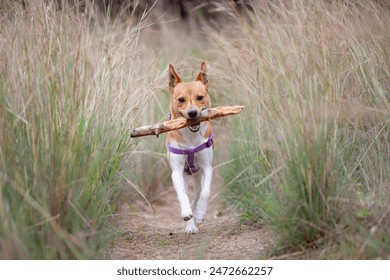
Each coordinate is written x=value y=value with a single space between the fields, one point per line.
x=311 y=152
x=309 y=155
x=71 y=88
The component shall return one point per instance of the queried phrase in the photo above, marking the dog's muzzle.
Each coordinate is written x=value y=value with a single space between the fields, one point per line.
x=193 y=114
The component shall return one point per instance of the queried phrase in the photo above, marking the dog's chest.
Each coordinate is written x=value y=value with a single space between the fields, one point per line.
x=194 y=152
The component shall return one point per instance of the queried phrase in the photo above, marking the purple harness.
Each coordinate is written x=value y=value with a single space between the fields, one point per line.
x=191 y=169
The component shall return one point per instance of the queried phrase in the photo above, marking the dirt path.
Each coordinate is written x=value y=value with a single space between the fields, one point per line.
x=160 y=235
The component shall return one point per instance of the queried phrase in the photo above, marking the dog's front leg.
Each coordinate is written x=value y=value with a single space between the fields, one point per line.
x=201 y=208
x=178 y=183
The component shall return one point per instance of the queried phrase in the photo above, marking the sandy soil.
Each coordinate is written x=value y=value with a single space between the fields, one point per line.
x=160 y=234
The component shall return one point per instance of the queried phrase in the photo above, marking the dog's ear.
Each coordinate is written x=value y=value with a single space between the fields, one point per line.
x=202 y=76
x=174 y=78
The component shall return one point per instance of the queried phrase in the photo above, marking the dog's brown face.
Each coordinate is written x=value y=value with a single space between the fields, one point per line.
x=189 y=99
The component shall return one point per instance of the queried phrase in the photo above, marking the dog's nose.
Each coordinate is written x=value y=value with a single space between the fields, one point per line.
x=192 y=114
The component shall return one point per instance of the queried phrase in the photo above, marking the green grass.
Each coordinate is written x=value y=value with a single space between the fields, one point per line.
x=310 y=151
x=308 y=157
x=69 y=95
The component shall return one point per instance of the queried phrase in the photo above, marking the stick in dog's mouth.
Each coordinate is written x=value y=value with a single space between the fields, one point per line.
x=181 y=122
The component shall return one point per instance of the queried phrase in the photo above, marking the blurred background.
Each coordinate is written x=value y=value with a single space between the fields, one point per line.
x=308 y=158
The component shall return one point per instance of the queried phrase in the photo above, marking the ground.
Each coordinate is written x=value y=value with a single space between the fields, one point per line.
x=159 y=234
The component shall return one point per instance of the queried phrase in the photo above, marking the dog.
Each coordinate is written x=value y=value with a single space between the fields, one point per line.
x=189 y=149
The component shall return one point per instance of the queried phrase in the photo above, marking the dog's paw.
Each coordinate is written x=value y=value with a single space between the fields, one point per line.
x=191 y=228
x=186 y=215
x=199 y=220
x=199 y=217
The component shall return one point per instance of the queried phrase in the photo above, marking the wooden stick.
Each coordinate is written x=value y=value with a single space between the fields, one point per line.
x=181 y=122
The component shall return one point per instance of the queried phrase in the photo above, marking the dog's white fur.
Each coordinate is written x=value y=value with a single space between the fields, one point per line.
x=203 y=160
x=195 y=212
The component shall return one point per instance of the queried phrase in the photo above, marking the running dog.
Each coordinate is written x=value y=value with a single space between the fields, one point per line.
x=189 y=149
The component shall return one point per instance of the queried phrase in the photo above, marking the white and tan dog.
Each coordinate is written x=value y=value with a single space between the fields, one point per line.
x=190 y=150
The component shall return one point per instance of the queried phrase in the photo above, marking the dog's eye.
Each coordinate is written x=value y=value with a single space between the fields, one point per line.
x=181 y=99
x=200 y=97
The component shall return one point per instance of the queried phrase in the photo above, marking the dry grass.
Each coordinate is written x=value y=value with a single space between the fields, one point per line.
x=308 y=156
x=70 y=91
x=315 y=78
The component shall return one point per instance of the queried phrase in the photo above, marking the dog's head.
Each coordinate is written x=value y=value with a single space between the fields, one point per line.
x=189 y=99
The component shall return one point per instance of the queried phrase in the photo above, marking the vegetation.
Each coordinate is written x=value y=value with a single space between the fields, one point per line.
x=69 y=94
x=308 y=157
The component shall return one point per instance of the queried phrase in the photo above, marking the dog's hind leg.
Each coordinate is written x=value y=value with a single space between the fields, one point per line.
x=201 y=208
x=197 y=189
